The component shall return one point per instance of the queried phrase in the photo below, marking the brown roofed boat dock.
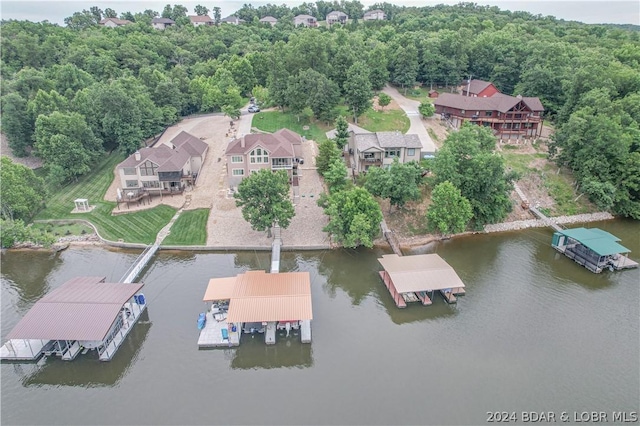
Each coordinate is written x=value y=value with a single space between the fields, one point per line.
x=417 y=277
x=82 y=314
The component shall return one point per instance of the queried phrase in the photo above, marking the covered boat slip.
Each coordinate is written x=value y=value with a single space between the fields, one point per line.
x=257 y=301
x=593 y=248
x=416 y=278
x=84 y=312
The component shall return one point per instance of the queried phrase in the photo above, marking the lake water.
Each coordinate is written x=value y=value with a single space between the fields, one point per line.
x=535 y=332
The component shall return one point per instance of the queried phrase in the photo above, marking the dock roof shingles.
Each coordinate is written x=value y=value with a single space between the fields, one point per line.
x=425 y=272
x=83 y=308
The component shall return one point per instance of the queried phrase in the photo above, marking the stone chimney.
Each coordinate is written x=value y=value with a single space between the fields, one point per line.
x=136 y=155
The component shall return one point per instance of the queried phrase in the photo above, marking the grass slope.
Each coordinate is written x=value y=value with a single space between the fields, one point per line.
x=138 y=227
x=384 y=121
x=189 y=229
x=271 y=121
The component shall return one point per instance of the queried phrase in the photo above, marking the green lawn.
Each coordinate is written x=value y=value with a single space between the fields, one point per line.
x=138 y=227
x=384 y=121
x=189 y=229
x=271 y=121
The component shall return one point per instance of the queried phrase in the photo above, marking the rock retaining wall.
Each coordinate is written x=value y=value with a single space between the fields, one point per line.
x=537 y=223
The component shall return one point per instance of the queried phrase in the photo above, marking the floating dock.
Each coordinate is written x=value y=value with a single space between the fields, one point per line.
x=593 y=248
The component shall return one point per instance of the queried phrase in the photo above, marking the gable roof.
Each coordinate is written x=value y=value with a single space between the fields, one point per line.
x=268 y=19
x=305 y=17
x=163 y=21
x=167 y=159
x=83 y=308
x=423 y=272
x=476 y=86
x=383 y=140
x=498 y=102
x=189 y=143
x=116 y=21
x=283 y=143
x=232 y=18
x=337 y=13
x=200 y=18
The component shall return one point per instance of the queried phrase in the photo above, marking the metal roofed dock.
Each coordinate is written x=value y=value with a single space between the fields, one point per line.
x=593 y=248
x=256 y=297
x=85 y=312
x=417 y=277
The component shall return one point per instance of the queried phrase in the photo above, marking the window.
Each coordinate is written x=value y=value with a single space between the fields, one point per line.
x=132 y=183
x=148 y=169
x=516 y=125
x=462 y=111
x=488 y=113
x=411 y=152
x=151 y=184
x=258 y=156
x=237 y=172
x=254 y=171
x=518 y=115
x=237 y=159
x=391 y=153
x=129 y=171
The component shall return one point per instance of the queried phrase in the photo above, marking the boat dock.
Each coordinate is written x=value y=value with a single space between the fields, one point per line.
x=89 y=314
x=416 y=278
x=593 y=248
x=256 y=302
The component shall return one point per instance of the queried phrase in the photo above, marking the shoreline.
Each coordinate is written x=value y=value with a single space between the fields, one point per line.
x=405 y=243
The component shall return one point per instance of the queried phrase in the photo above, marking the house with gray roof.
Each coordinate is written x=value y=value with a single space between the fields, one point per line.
x=114 y=22
x=165 y=168
x=509 y=117
x=306 y=20
x=281 y=150
x=162 y=23
x=380 y=149
x=269 y=20
x=374 y=15
x=337 y=17
x=232 y=19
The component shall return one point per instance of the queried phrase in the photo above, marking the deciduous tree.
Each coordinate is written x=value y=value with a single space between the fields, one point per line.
x=264 y=199
x=21 y=193
x=427 y=109
x=327 y=153
x=357 y=89
x=449 y=212
x=383 y=100
x=354 y=217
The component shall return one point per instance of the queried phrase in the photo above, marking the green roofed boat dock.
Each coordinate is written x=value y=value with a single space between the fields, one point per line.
x=593 y=248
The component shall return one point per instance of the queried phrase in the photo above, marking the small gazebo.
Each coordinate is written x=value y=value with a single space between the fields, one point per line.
x=82 y=205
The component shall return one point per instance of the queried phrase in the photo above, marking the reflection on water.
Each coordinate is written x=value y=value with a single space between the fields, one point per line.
x=535 y=331
x=286 y=353
x=86 y=370
x=30 y=269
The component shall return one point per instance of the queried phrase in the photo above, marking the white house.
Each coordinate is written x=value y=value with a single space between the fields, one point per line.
x=374 y=15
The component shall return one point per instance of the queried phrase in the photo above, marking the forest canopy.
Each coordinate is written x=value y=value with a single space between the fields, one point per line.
x=98 y=89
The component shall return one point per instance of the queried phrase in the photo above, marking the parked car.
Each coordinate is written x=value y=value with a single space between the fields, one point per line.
x=253 y=108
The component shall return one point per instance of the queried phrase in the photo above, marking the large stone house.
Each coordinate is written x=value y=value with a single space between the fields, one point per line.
x=167 y=167
x=509 y=117
x=306 y=20
x=380 y=149
x=281 y=150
